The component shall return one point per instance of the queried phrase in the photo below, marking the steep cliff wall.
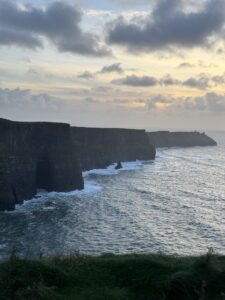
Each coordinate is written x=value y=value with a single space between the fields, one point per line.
x=100 y=147
x=180 y=139
x=51 y=156
x=36 y=155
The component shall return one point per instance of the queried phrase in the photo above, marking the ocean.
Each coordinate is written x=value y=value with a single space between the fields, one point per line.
x=173 y=205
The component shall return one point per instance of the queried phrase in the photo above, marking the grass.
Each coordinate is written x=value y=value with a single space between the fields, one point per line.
x=110 y=277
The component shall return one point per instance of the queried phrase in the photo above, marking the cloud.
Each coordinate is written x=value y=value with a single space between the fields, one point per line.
x=159 y=102
x=86 y=75
x=199 y=83
x=112 y=68
x=59 y=23
x=186 y=65
x=131 y=2
x=219 y=79
x=202 y=82
x=169 y=25
x=169 y=80
x=102 y=89
x=25 y=100
x=21 y=39
x=208 y=103
x=135 y=81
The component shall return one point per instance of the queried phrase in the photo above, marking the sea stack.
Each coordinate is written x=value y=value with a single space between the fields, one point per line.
x=119 y=166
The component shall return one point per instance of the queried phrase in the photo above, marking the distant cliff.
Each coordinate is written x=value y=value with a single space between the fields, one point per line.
x=179 y=139
x=100 y=147
x=51 y=156
x=36 y=155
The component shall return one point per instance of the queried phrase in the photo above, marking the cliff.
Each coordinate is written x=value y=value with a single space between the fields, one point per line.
x=179 y=139
x=100 y=147
x=51 y=156
x=36 y=155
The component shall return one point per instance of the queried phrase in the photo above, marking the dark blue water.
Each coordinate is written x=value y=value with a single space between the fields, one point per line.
x=175 y=204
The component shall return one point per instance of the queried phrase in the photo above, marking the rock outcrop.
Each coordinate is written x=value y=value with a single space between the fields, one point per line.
x=163 y=139
x=100 y=147
x=119 y=166
x=36 y=155
x=51 y=156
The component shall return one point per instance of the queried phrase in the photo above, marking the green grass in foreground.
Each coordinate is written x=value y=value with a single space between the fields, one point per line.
x=109 y=277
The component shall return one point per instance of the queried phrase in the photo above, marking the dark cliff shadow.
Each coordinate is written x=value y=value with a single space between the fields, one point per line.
x=44 y=173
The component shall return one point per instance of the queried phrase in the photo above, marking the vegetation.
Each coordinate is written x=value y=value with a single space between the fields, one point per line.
x=109 y=277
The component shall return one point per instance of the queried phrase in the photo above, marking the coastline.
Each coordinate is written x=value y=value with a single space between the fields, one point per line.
x=90 y=186
x=135 y=211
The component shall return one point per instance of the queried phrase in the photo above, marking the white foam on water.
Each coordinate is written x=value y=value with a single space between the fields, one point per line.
x=89 y=188
x=42 y=196
x=107 y=171
x=133 y=165
x=110 y=170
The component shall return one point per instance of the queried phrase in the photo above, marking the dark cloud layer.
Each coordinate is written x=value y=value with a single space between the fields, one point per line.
x=208 y=103
x=135 y=81
x=10 y=38
x=203 y=81
x=112 y=68
x=199 y=83
x=86 y=75
x=169 y=25
x=59 y=23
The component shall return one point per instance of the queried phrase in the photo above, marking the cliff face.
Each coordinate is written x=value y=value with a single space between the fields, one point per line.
x=51 y=156
x=180 y=139
x=100 y=147
x=36 y=155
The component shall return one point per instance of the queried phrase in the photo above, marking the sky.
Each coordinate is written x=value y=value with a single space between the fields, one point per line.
x=153 y=64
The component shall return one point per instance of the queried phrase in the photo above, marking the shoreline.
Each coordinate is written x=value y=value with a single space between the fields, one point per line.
x=90 y=186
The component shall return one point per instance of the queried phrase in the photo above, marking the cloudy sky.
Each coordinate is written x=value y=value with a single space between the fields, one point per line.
x=114 y=63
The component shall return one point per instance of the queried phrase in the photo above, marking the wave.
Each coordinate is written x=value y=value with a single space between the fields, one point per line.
x=42 y=197
x=110 y=170
x=89 y=188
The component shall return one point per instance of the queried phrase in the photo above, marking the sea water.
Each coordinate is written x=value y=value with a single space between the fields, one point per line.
x=173 y=205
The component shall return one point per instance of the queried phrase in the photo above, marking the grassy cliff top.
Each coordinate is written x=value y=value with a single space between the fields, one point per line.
x=109 y=277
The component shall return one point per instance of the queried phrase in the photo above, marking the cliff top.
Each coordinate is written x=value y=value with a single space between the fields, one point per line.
x=6 y=121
